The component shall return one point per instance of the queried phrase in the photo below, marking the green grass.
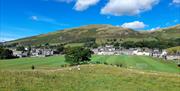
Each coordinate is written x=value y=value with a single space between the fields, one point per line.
x=89 y=78
x=138 y=73
x=39 y=63
x=133 y=62
x=74 y=45
x=138 y=62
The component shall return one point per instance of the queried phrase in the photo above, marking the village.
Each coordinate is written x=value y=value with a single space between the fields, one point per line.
x=101 y=50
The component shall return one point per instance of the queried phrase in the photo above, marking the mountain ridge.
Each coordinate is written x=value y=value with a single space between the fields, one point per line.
x=99 y=32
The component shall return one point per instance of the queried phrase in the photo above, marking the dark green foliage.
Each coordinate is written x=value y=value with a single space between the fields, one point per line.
x=29 y=51
x=91 y=44
x=116 y=45
x=98 y=62
x=11 y=45
x=119 y=65
x=105 y=63
x=60 y=49
x=178 y=65
x=20 y=48
x=6 y=54
x=32 y=67
x=77 y=55
x=128 y=44
x=160 y=44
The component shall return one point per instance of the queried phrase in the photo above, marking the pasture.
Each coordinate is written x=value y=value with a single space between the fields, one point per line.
x=137 y=73
x=132 y=62
x=91 y=77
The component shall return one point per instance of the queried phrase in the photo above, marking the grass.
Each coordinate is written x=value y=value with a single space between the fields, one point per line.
x=138 y=62
x=89 y=78
x=74 y=45
x=138 y=73
x=39 y=63
x=133 y=62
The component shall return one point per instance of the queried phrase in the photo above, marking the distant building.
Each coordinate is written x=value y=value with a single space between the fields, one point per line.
x=42 y=52
x=20 y=54
x=140 y=53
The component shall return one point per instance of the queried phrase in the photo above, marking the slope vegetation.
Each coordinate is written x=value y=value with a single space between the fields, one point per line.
x=100 y=33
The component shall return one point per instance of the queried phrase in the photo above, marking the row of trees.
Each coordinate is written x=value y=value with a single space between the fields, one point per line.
x=161 y=44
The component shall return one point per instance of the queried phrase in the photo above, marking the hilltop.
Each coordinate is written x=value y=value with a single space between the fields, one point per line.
x=101 y=33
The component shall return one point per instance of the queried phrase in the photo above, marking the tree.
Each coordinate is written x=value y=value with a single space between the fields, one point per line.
x=116 y=45
x=29 y=51
x=6 y=54
x=60 y=49
x=77 y=55
x=128 y=44
x=91 y=44
x=20 y=48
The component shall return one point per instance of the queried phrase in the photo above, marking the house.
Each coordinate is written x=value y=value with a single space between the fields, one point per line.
x=20 y=54
x=42 y=52
x=156 y=53
x=106 y=50
x=173 y=57
x=140 y=52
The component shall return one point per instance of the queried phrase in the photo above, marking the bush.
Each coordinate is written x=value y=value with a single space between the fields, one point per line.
x=32 y=67
x=97 y=62
x=105 y=63
x=119 y=65
x=65 y=65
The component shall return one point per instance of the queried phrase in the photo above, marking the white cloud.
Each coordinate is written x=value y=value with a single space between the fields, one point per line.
x=35 y=18
x=127 y=7
x=176 y=1
x=175 y=21
x=42 y=18
x=61 y=1
x=156 y=28
x=66 y=1
x=82 y=5
x=134 y=25
x=47 y=20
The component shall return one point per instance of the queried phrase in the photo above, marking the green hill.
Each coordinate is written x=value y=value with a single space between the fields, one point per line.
x=100 y=32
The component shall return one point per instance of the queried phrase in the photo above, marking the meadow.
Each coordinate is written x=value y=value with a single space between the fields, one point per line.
x=133 y=62
x=136 y=73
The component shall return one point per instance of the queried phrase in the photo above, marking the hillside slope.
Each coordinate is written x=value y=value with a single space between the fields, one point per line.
x=99 y=32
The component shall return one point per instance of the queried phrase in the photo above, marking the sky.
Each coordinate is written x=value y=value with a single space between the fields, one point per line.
x=23 y=18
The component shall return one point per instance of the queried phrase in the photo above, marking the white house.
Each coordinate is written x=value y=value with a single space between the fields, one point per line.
x=139 y=53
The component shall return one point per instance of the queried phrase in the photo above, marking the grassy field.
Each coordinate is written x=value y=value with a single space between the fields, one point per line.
x=74 y=45
x=138 y=73
x=89 y=78
x=133 y=62
x=139 y=62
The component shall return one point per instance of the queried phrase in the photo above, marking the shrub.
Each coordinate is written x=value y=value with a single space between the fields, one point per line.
x=120 y=65
x=97 y=62
x=32 y=67
x=105 y=63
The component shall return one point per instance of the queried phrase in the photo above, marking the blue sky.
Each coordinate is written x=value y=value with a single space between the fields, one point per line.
x=22 y=18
